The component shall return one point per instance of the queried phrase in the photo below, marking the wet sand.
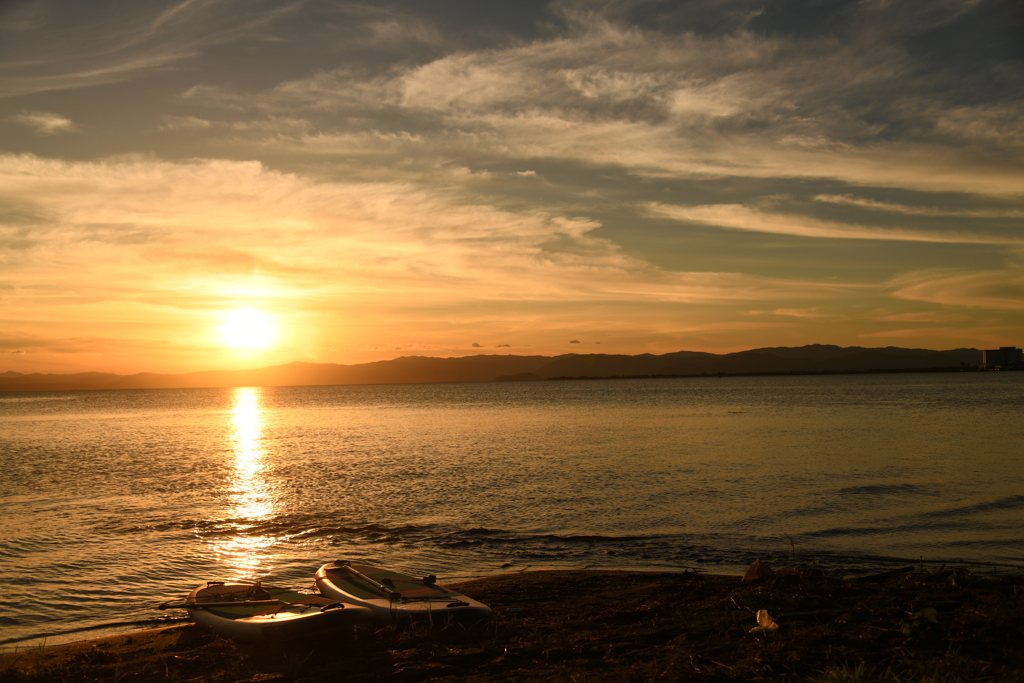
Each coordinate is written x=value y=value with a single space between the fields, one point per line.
x=949 y=625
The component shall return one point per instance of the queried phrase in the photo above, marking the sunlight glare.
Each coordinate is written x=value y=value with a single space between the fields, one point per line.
x=252 y=500
x=245 y=328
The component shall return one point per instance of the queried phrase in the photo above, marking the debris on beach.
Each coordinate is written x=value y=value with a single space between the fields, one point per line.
x=765 y=624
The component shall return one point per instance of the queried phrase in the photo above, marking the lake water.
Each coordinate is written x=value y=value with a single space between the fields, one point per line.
x=112 y=501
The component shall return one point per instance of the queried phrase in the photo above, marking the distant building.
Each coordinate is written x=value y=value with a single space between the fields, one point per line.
x=1002 y=357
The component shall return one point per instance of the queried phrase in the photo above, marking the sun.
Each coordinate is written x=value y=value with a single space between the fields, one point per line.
x=245 y=328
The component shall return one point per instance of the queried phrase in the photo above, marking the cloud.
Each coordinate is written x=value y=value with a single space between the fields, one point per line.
x=60 y=345
x=738 y=217
x=574 y=341
x=45 y=123
x=999 y=124
x=861 y=110
x=442 y=175
x=477 y=346
x=120 y=43
x=850 y=200
x=926 y=317
x=790 y=312
x=995 y=289
x=503 y=346
x=180 y=233
x=930 y=332
x=171 y=123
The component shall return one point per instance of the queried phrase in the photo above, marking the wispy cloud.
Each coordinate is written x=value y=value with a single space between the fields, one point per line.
x=995 y=289
x=170 y=123
x=920 y=332
x=738 y=217
x=181 y=232
x=663 y=105
x=45 y=123
x=926 y=317
x=850 y=200
x=791 y=312
x=121 y=44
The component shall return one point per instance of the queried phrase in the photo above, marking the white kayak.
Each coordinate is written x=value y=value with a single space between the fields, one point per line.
x=251 y=611
x=391 y=596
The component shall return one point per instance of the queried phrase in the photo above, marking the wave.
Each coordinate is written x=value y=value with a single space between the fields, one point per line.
x=62 y=634
x=885 y=490
x=38 y=399
x=1006 y=503
x=305 y=527
x=491 y=548
x=846 y=531
x=279 y=525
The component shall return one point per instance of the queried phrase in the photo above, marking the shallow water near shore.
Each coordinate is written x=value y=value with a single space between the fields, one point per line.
x=113 y=501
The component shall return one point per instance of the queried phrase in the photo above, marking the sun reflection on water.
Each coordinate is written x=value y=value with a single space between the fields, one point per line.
x=251 y=500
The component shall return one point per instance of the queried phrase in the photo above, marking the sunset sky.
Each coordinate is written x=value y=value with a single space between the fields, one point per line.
x=210 y=184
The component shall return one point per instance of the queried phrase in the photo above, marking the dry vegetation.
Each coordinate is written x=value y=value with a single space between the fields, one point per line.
x=902 y=627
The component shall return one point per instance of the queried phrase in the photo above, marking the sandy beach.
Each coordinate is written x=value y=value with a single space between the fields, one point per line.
x=906 y=625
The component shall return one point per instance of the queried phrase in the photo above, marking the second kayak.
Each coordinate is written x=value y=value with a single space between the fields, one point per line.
x=392 y=596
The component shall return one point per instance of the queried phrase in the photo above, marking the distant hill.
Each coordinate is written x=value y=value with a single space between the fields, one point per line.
x=486 y=368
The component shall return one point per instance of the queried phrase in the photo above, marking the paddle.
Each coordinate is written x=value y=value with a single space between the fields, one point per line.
x=227 y=603
x=391 y=592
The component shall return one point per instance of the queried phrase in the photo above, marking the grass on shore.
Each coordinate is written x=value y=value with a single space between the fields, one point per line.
x=596 y=626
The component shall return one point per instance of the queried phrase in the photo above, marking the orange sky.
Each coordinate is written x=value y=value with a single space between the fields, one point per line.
x=408 y=179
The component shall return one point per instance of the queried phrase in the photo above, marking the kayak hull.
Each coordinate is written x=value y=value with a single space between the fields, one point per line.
x=393 y=597
x=253 y=613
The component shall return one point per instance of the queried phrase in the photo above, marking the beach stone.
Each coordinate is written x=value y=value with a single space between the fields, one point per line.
x=758 y=571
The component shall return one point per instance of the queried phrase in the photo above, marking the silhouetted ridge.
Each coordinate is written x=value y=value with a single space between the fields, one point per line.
x=486 y=368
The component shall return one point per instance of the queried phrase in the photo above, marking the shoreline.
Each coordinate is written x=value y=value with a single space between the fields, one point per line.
x=86 y=634
x=607 y=625
x=884 y=564
x=29 y=389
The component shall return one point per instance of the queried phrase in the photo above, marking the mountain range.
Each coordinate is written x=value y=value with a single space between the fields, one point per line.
x=488 y=368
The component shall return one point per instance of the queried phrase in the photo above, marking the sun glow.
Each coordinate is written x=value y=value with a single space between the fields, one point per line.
x=245 y=328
